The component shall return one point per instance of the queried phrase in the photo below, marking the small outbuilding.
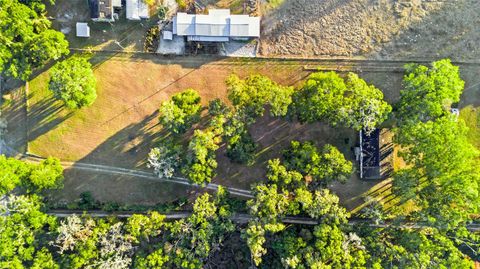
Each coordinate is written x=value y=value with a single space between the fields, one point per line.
x=167 y=35
x=83 y=30
x=370 y=155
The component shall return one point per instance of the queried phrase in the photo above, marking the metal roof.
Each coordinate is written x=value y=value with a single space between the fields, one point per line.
x=218 y=23
x=101 y=9
x=136 y=10
x=82 y=29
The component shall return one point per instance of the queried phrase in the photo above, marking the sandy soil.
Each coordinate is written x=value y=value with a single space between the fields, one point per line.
x=377 y=28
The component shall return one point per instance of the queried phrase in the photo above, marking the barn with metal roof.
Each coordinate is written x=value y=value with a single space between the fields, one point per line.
x=218 y=26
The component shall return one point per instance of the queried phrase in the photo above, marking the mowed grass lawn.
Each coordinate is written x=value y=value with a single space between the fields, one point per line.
x=471 y=116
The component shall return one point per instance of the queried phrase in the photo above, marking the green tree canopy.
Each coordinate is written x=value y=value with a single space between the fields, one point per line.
x=24 y=231
x=407 y=248
x=73 y=82
x=201 y=163
x=320 y=166
x=349 y=102
x=181 y=112
x=26 y=40
x=429 y=92
x=443 y=176
x=48 y=174
x=84 y=242
x=257 y=91
x=188 y=243
x=287 y=192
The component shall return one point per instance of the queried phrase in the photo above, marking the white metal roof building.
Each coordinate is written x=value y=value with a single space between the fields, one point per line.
x=137 y=10
x=218 y=26
x=82 y=29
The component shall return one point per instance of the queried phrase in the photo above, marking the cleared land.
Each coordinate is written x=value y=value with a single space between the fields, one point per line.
x=125 y=190
x=388 y=28
x=122 y=125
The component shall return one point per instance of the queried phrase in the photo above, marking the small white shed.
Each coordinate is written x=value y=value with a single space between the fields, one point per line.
x=83 y=30
x=167 y=35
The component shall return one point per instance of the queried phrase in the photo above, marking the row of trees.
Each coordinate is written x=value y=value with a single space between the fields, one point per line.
x=324 y=97
x=442 y=176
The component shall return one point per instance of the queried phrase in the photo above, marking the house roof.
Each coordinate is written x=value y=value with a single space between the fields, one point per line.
x=136 y=10
x=101 y=9
x=370 y=155
x=218 y=23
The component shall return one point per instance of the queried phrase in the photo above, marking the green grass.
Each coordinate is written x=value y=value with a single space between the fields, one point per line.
x=471 y=116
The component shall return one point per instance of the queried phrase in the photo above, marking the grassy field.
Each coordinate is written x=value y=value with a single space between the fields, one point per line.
x=122 y=125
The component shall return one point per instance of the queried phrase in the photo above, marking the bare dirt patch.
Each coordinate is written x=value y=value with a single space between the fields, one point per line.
x=126 y=190
x=390 y=28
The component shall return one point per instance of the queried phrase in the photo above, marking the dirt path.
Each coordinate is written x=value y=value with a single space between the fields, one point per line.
x=140 y=174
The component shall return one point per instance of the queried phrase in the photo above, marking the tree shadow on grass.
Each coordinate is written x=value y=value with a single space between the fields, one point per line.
x=44 y=116
x=129 y=147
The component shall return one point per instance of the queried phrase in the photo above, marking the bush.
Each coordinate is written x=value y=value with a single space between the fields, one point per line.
x=151 y=39
x=241 y=148
x=216 y=107
x=87 y=201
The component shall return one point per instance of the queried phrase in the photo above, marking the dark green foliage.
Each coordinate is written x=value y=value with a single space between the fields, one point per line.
x=241 y=148
x=350 y=102
x=26 y=40
x=429 y=92
x=162 y=12
x=240 y=145
x=181 y=112
x=87 y=201
x=216 y=107
x=73 y=82
x=321 y=167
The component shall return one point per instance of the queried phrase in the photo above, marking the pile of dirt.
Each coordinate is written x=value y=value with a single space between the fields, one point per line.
x=341 y=27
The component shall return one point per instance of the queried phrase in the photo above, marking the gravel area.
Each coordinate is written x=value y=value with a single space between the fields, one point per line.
x=341 y=27
x=172 y=47
x=239 y=49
